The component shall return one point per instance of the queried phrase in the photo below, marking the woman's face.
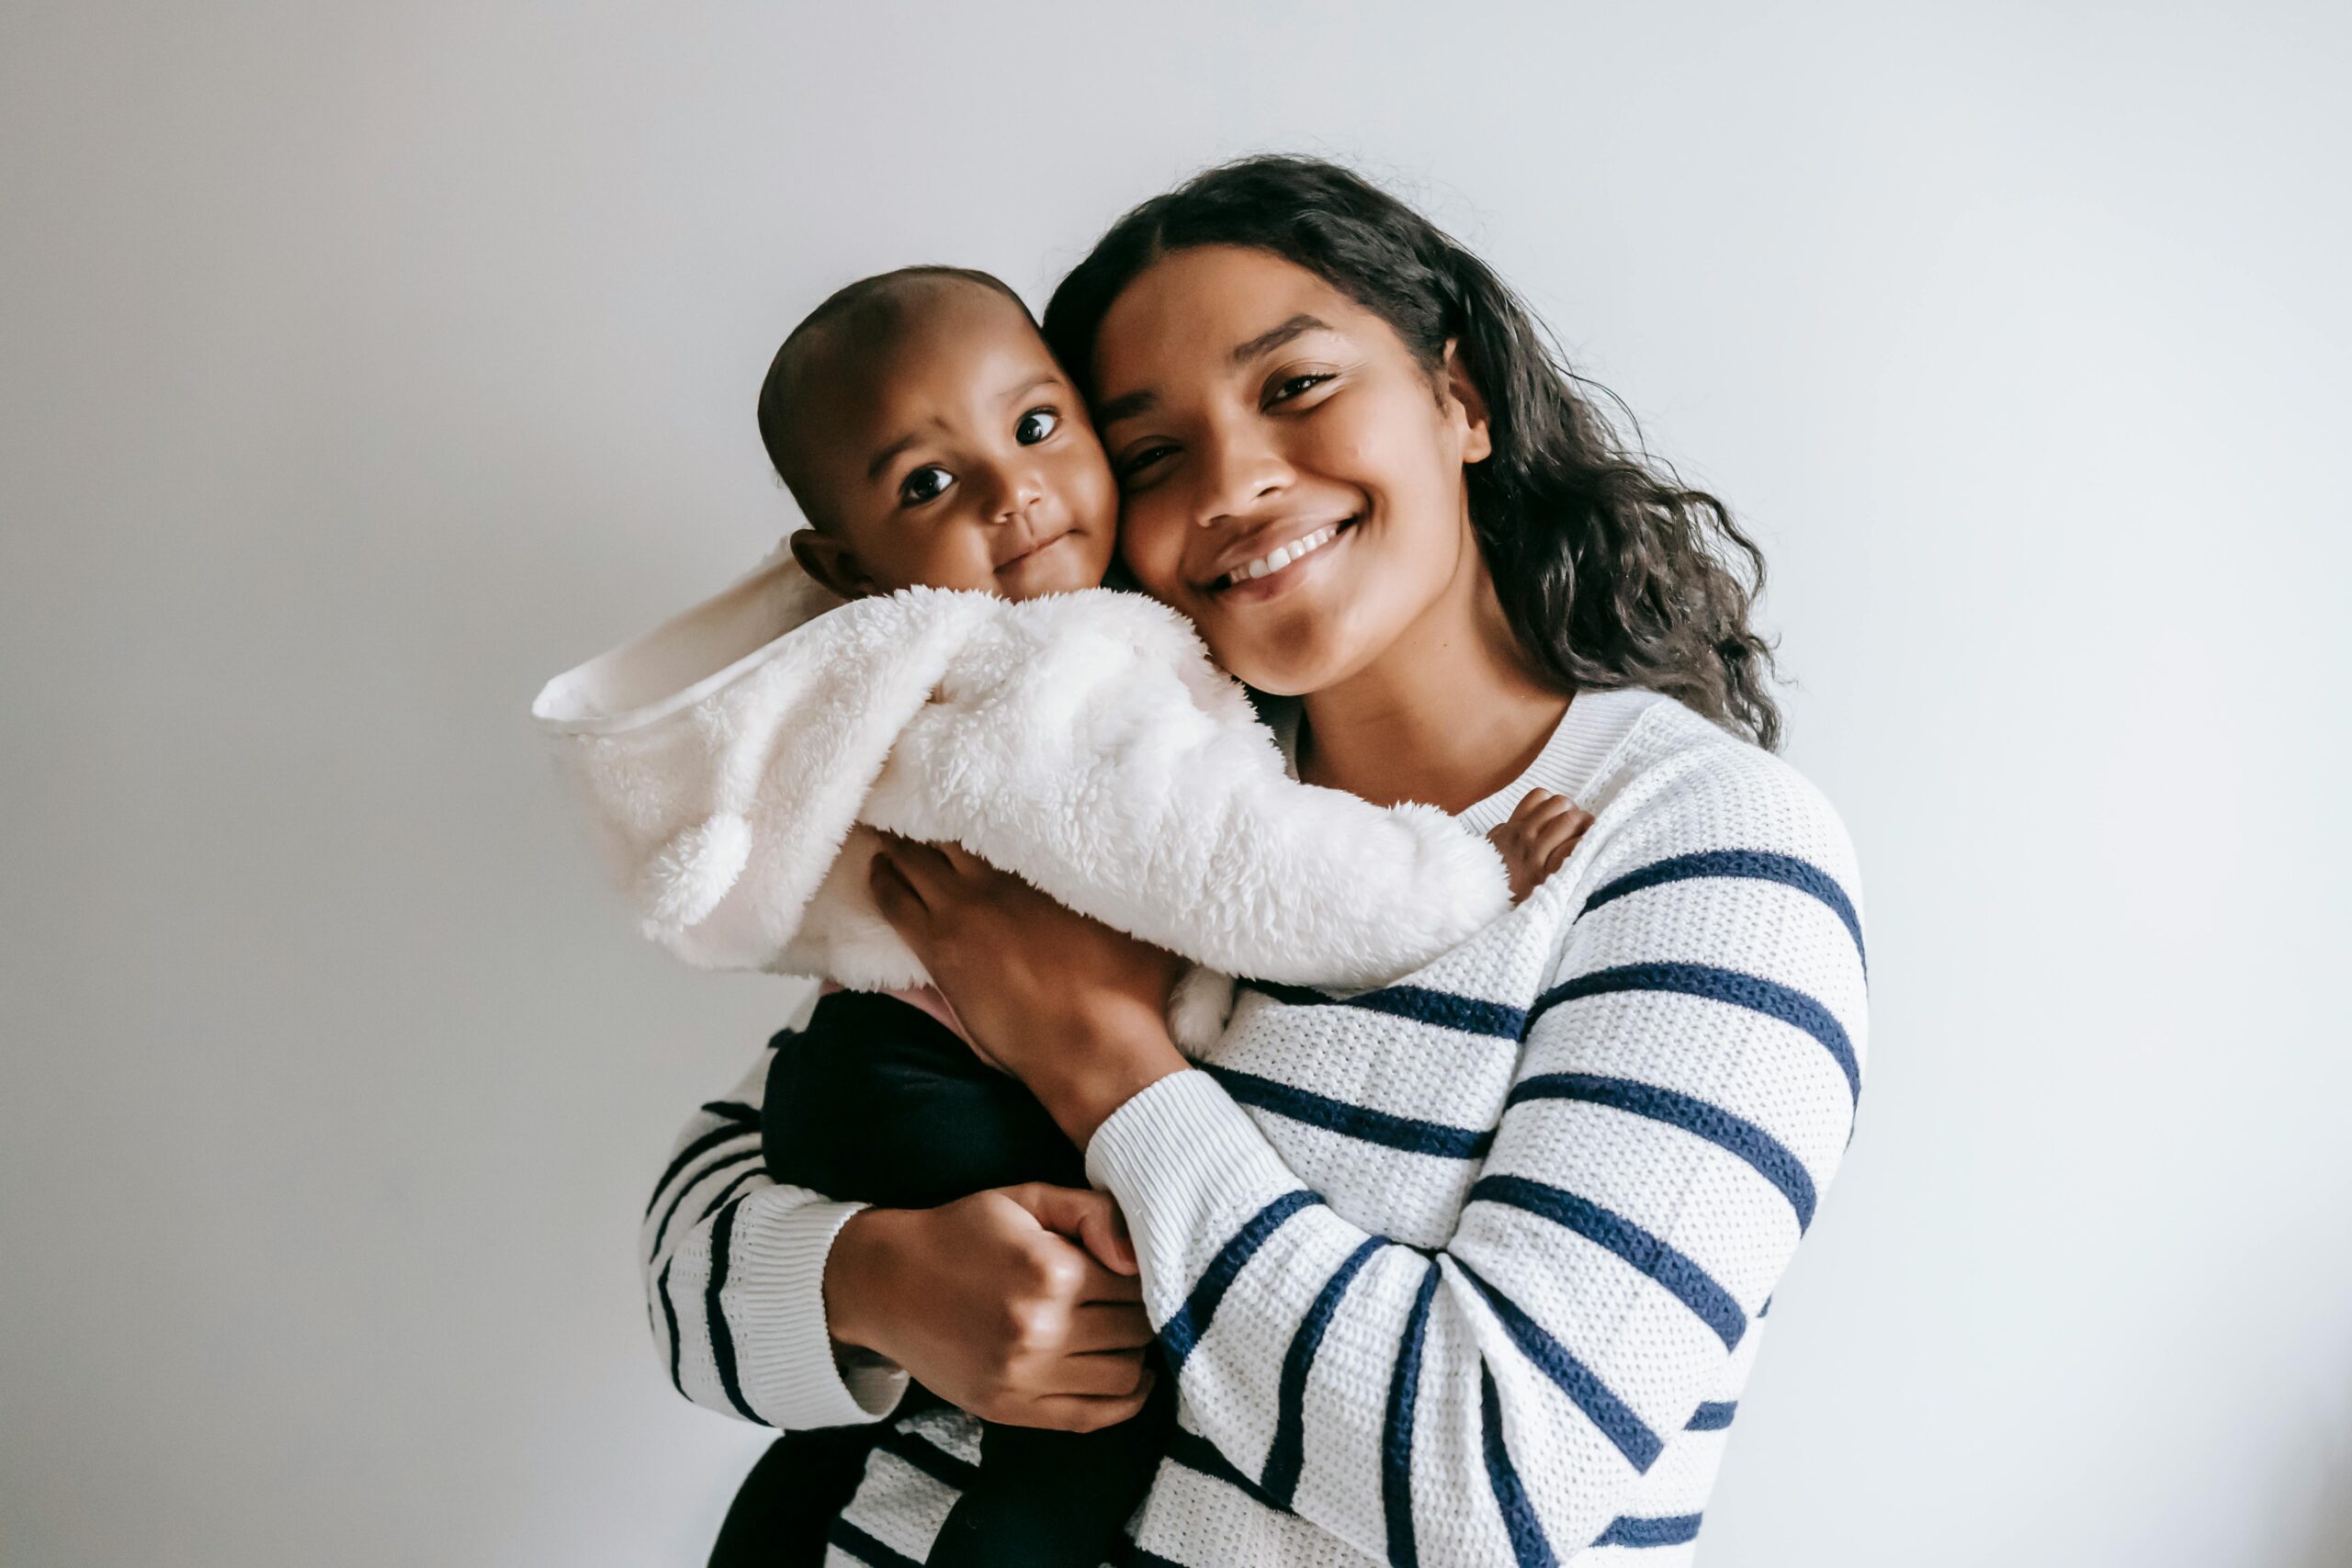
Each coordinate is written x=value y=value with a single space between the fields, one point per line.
x=1290 y=474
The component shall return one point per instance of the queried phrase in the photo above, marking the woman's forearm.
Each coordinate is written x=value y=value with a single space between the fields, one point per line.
x=733 y=1269
x=1124 y=1049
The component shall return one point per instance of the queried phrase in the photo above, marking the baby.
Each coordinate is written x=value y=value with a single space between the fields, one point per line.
x=931 y=439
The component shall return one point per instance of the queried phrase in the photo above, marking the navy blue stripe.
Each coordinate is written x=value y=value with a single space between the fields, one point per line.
x=1287 y=1454
x=1752 y=992
x=689 y=1155
x=735 y=1109
x=1627 y=1530
x=1446 y=1010
x=929 y=1458
x=1397 y=1433
x=670 y=1315
x=1712 y=1416
x=1125 y=1553
x=1614 y=1418
x=1684 y=1280
x=1766 y=1308
x=1358 y=1121
x=679 y=1198
x=722 y=1342
x=1769 y=1156
x=728 y=1190
x=1527 y=1543
x=1184 y=1330
x=1195 y=1452
x=864 y=1548
x=1754 y=865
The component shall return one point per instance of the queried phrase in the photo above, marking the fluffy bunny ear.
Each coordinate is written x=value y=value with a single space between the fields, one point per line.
x=687 y=876
x=1199 y=1008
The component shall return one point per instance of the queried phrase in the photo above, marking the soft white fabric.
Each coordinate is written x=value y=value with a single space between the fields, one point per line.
x=736 y=759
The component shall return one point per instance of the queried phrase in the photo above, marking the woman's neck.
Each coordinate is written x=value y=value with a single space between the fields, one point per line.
x=1447 y=714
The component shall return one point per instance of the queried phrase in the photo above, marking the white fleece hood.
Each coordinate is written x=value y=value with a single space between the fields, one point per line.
x=735 y=758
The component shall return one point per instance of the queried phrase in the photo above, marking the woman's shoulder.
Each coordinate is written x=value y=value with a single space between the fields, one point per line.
x=1680 y=783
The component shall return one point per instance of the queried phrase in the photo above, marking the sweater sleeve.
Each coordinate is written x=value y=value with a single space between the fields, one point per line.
x=735 y=1275
x=1684 y=1090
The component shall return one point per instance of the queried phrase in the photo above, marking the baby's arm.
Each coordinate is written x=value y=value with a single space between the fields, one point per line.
x=1537 y=837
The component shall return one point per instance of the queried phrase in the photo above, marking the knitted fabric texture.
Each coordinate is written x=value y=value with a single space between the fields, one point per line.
x=1469 y=1269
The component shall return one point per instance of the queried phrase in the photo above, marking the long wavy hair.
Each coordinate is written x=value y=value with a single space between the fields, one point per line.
x=1611 y=571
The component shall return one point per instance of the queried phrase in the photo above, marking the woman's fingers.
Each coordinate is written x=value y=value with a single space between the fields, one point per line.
x=1097 y=1284
x=961 y=860
x=1101 y=1325
x=1104 y=1374
x=897 y=898
x=1087 y=1217
x=922 y=865
x=1078 y=1413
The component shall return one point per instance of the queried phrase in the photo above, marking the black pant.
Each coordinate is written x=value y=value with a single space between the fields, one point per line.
x=877 y=1101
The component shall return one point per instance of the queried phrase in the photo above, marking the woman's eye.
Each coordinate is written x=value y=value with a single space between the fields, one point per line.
x=1035 y=425
x=1290 y=387
x=1133 y=467
x=926 y=483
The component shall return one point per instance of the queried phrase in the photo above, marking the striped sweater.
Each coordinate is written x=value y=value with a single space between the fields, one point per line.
x=1466 y=1270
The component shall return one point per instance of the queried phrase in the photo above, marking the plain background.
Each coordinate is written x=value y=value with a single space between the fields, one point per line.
x=364 y=365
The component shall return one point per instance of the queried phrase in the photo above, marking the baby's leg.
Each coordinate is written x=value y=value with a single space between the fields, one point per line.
x=792 y=1496
x=1055 y=1499
x=878 y=1102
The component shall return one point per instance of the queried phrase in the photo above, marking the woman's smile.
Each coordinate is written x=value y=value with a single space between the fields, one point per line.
x=1264 y=573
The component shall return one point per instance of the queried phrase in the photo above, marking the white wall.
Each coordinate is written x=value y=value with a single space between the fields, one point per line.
x=364 y=364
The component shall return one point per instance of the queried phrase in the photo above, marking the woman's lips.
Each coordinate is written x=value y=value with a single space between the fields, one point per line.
x=1264 y=578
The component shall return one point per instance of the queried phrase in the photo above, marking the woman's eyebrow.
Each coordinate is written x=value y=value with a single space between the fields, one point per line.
x=1266 y=342
x=1127 y=405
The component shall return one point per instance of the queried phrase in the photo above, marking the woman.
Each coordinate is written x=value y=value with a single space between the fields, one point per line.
x=1464 y=1271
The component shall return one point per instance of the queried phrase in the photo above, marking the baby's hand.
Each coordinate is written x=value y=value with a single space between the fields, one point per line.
x=1539 y=836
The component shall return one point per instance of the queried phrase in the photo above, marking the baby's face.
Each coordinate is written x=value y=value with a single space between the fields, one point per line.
x=960 y=456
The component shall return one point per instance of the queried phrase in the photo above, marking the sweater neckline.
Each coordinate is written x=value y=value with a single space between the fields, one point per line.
x=1571 y=761
x=1587 y=735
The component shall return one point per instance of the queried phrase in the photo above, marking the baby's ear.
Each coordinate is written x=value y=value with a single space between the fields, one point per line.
x=831 y=562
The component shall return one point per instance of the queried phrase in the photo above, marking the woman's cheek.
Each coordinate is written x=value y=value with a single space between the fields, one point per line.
x=1153 y=550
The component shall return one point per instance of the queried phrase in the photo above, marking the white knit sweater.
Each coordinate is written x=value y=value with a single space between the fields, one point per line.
x=1467 y=1269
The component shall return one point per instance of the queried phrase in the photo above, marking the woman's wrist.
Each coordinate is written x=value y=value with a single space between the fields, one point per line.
x=1122 y=1054
x=858 y=1270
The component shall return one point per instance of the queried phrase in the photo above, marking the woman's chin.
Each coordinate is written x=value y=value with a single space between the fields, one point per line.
x=1299 y=657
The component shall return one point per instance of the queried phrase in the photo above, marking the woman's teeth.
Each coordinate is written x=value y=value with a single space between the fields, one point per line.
x=1267 y=564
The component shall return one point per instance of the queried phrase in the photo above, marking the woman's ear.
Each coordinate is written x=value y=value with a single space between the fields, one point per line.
x=831 y=562
x=1466 y=401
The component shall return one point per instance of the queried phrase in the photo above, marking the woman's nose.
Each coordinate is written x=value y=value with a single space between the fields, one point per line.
x=1239 y=471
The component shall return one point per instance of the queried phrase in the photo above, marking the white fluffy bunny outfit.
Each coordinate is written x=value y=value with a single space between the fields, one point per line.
x=735 y=758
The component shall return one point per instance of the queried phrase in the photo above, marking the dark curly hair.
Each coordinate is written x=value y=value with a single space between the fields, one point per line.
x=1612 y=572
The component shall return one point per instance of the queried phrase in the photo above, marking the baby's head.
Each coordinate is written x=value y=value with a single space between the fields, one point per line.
x=931 y=439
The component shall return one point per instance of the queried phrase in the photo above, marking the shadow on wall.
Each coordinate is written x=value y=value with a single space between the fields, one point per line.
x=2325 y=1539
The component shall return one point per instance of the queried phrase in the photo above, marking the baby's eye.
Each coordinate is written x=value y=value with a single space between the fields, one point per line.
x=1035 y=425
x=926 y=483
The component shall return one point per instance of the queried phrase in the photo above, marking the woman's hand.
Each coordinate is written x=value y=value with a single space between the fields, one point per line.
x=1001 y=1303
x=1076 y=1011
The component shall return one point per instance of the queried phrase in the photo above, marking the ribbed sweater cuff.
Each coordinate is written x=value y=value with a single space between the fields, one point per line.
x=1184 y=1162
x=791 y=1374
